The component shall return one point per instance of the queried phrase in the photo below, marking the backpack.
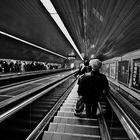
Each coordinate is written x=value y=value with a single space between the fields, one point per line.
x=79 y=105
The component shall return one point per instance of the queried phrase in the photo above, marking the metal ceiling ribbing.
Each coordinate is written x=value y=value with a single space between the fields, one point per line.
x=112 y=26
x=30 y=21
x=71 y=14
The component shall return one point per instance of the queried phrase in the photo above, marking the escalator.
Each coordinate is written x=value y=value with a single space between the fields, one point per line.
x=109 y=124
x=117 y=120
x=66 y=125
x=21 y=124
x=112 y=123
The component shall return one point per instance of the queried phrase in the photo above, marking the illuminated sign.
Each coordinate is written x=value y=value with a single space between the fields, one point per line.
x=71 y=57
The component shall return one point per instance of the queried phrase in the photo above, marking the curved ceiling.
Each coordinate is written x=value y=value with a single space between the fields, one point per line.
x=99 y=28
x=13 y=49
x=30 y=21
x=102 y=28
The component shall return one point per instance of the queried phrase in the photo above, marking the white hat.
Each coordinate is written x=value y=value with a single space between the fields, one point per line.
x=96 y=64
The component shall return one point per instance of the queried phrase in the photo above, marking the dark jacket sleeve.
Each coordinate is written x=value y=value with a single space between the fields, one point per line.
x=105 y=84
x=81 y=86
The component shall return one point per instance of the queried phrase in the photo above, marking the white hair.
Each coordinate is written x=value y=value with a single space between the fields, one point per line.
x=96 y=64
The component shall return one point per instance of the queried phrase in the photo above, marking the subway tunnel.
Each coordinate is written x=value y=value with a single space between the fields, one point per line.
x=102 y=29
x=108 y=30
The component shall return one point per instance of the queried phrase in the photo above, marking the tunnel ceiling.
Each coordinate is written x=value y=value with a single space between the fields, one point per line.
x=30 y=21
x=102 y=28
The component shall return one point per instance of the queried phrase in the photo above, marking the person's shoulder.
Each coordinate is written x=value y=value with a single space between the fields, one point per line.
x=85 y=76
x=90 y=66
x=80 y=79
x=88 y=74
x=103 y=76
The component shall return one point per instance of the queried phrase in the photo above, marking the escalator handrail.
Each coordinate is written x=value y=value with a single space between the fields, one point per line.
x=29 y=73
x=22 y=104
x=129 y=108
x=128 y=124
x=46 y=120
x=103 y=126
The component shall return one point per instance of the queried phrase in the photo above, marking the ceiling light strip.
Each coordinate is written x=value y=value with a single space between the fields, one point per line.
x=50 y=8
x=21 y=40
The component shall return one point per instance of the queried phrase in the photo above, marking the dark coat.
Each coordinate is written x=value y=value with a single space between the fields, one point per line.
x=86 y=69
x=91 y=86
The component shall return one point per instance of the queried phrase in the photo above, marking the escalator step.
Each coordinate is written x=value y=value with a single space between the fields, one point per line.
x=115 y=132
x=65 y=114
x=74 y=129
x=66 y=136
x=119 y=138
x=47 y=104
x=67 y=109
x=48 y=100
x=37 y=116
x=39 y=110
x=78 y=121
x=69 y=104
x=114 y=123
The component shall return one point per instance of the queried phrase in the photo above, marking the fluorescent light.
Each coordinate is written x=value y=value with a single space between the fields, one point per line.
x=50 y=8
x=6 y=34
x=92 y=46
x=92 y=56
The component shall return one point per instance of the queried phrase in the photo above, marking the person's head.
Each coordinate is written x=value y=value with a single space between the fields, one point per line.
x=96 y=64
x=86 y=62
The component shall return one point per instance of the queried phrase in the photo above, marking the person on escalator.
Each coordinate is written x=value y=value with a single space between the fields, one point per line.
x=84 y=69
x=87 y=68
x=91 y=86
x=80 y=103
